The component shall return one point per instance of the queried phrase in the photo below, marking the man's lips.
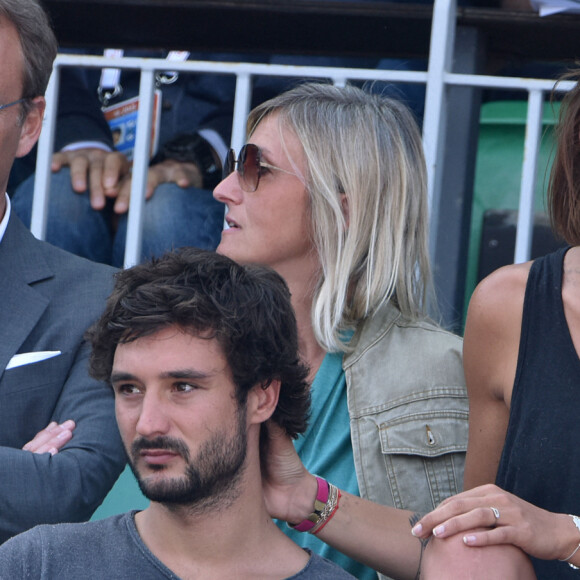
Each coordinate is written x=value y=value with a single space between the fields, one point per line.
x=158 y=451
x=157 y=456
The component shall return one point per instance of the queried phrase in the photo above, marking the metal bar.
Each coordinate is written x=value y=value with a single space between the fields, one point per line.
x=440 y=55
x=337 y=75
x=239 y=68
x=242 y=102
x=456 y=166
x=525 y=226
x=41 y=194
x=507 y=83
x=140 y=167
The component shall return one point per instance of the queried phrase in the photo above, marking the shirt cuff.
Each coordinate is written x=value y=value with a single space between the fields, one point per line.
x=86 y=145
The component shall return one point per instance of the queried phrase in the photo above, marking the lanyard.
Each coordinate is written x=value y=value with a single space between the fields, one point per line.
x=110 y=82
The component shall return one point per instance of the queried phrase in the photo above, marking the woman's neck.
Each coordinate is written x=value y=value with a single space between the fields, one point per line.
x=302 y=292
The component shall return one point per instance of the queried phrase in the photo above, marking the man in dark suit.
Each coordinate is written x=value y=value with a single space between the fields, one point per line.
x=49 y=298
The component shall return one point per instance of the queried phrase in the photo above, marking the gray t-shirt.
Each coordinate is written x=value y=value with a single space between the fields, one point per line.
x=109 y=548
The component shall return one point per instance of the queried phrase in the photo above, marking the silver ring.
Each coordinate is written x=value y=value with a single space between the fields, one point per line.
x=495 y=514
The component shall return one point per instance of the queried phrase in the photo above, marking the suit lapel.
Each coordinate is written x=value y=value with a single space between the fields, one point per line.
x=22 y=263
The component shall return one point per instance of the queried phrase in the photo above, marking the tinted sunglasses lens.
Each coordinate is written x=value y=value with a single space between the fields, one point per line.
x=230 y=163
x=249 y=167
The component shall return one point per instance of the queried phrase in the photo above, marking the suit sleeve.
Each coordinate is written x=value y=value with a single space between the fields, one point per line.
x=80 y=117
x=69 y=486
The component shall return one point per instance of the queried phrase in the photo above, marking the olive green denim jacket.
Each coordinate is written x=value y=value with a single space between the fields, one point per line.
x=408 y=410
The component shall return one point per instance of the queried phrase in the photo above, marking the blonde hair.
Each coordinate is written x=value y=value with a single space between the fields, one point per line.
x=365 y=148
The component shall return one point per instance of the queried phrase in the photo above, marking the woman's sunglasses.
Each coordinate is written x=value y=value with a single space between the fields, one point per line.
x=250 y=166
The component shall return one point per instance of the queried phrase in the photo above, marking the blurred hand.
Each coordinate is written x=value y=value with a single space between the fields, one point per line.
x=99 y=171
x=52 y=438
x=168 y=171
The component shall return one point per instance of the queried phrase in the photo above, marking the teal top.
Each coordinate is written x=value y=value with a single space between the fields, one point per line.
x=326 y=450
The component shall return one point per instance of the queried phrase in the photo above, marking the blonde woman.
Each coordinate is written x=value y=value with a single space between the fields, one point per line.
x=330 y=191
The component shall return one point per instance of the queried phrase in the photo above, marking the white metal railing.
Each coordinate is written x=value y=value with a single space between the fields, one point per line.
x=437 y=79
x=244 y=72
x=434 y=123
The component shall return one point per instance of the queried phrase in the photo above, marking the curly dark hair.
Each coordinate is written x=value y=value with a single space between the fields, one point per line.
x=246 y=309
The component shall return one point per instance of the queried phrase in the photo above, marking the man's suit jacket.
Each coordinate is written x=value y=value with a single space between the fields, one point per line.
x=48 y=298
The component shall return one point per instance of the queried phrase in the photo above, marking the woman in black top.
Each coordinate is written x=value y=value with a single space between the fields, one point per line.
x=522 y=370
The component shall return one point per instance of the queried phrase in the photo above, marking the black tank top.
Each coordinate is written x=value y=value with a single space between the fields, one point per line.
x=540 y=461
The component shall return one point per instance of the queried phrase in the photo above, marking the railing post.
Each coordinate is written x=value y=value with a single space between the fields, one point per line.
x=140 y=168
x=435 y=118
x=525 y=227
x=43 y=159
x=242 y=102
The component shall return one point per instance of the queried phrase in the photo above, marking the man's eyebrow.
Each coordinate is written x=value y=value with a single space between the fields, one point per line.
x=186 y=374
x=121 y=376
x=117 y=376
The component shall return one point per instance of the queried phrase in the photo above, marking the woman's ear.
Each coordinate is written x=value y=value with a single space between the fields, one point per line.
x=31 y=126
x=262 y=401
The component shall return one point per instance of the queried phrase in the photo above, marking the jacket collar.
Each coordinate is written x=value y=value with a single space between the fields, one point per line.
x=22 y=263
x=372 y=329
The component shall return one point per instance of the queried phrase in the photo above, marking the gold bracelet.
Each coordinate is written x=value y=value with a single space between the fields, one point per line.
x=329 y=509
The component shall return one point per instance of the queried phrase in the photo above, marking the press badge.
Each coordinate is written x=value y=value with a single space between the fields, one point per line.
x=122 y=119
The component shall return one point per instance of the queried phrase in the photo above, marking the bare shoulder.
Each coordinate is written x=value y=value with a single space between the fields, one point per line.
x=571 y=294
x=571 y=281
x=492 y=332
x=490 y=356
x=499 y=297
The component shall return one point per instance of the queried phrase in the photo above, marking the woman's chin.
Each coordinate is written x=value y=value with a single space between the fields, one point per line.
x=231 y=251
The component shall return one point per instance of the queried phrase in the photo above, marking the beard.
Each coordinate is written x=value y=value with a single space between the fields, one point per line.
x=210 y=478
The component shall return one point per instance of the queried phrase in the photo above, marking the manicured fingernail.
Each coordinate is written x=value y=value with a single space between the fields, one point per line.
x=68 y=424
x=468 y=539
x=439 y=530
x=417 y=530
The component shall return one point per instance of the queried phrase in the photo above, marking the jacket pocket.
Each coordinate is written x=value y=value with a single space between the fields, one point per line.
x=424 y=456
x=28 y=395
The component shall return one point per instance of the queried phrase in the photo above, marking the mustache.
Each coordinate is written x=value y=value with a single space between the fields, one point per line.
x=168 y=443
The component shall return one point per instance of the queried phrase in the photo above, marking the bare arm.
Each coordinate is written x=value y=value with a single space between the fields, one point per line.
x=375 y=535
x=490 y=353
x=537 y=532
